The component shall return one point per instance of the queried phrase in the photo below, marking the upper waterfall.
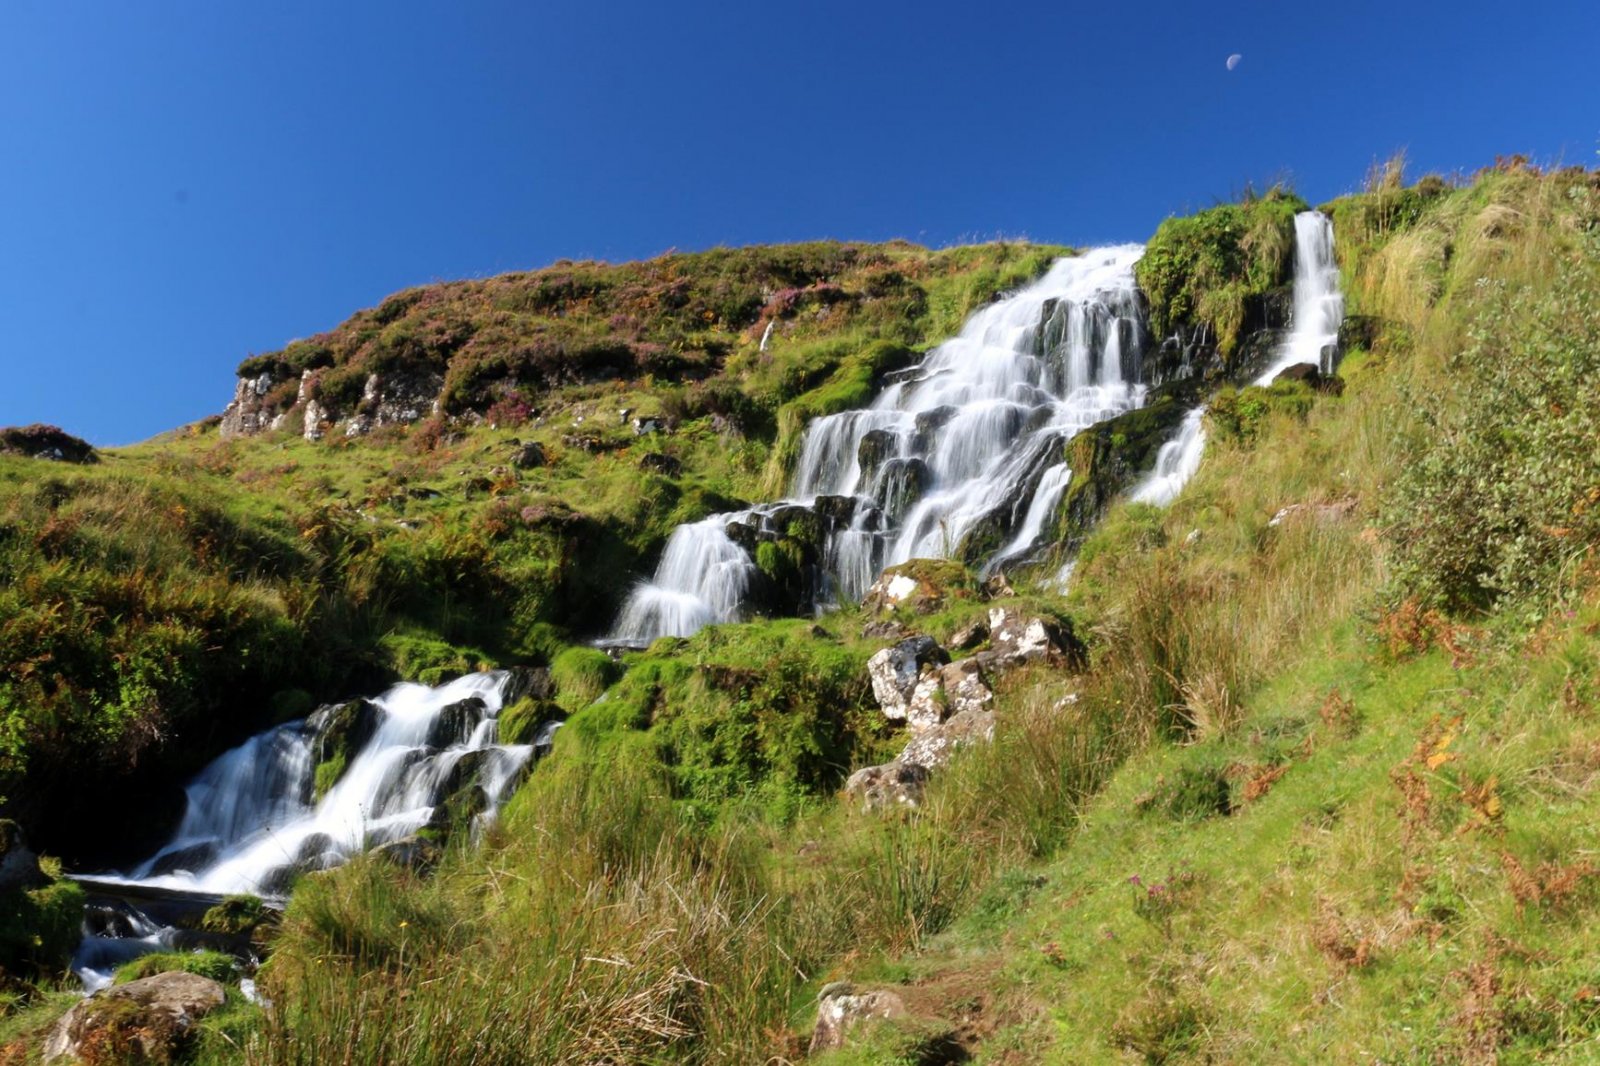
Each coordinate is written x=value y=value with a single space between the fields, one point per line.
x=966 y=444
x=1318 y=304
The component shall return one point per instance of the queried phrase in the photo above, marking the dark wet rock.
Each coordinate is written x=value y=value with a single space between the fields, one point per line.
x=528 y=456
x=836 y=512
x=40 y=441
x=191 y=858
x=147 y=1020
x=528 y=682
x=455 y=723
x=1109 y=456
x=904 y=482
x=877 y=447
x=656 y=463
x=1359 y=331
x=928 y=424
x=1309 y=375
x=341 y=731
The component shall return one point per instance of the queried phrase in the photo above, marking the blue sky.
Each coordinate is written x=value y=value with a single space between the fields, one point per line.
x=185 y=184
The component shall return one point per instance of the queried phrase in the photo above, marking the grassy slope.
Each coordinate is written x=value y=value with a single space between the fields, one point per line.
x=1268 y=731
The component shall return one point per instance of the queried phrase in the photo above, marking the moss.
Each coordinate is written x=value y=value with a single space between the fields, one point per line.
x=1203 y=270
x=1241 y=414
x=216 y=965
x=1107 y=457
x=581 y=675
x=40 y=928
x=234 y=916
x=520 y=722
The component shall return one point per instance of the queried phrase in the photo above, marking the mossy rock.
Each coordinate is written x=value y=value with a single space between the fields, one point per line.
x=40 y=928
x=1108 y=457
x=216 y=965
x=520 y=722
x=342 y=730
x=234 y=916
x=581 y=674
x=937 y=583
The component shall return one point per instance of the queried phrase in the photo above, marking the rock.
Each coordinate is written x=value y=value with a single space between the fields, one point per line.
x=925 y=708
x=341 y=731
x=933 y=747
x=143 y=1021
x=923 y=585
x=316 y=421
x=247 y=414
x=455 y=723
x=528 y=682
x=840 y=1009
x=1319 y=512
x=904 y=482
x=883 y=629
x=895 y=672
x=665 y=465
x=412 y=853
x=895 y=784
x=643 y=427
x=1015 y=638
x=528 y=456
x=1309 y=375
x=928 y=424
x=877 y=447
x=970 y=635
x=965 y=688
x=193 y=857
x=19 y=865
x=1359 y=331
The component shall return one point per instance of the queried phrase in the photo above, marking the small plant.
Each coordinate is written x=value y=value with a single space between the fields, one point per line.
x=1158 y=903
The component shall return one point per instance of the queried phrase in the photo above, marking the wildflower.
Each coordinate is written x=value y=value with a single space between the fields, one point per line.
x=404 y=923
x=1134 y=880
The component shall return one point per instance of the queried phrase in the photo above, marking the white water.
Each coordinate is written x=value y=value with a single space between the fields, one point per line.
x=1176 y=462
x=969 y=438
x=1318 y=304
x=250 y=824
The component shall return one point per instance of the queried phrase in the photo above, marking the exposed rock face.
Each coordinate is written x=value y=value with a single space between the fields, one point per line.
x=393 y=399
x=456 y=722
x=841 y=1008
x=40 y=441
x=142 y=1021
x=247 y=414
x=1015 y=638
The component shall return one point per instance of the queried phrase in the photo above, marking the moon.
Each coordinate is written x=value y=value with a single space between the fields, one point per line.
x=1233 y=60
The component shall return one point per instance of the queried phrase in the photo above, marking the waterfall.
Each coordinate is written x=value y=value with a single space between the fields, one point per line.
x=1176 y=462
x=966 y=443
x=1318 y=304
x=252 y=822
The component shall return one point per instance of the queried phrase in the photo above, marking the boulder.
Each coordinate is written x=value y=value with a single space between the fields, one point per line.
x=895 y=672
x=904 y=482
x=922 y=585
x=247 y=413
x=143 y=1021
x=456 y=722
x=528 y=456
x=877 y=447
x=840 y=1008
x=970 y=635
x=414 y=853
x=965 y=688
x=933 y=747
x=1016 y=638
x=894 y=784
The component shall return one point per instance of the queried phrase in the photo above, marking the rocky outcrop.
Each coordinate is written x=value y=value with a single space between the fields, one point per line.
x=394 y=398
x=945 y=704
x=248 y=413
x=147 y=1020
x=840 y=1009
x=40 y=441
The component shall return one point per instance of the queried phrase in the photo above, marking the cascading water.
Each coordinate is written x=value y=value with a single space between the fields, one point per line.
x=967 y=443
x=1176 y=462
x=1318 y=304
x=252 y=821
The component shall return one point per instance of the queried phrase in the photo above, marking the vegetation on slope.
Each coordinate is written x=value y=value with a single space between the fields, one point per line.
x=1323 y=792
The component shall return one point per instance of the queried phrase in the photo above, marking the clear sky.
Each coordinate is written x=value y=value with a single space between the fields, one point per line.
x=185 y=184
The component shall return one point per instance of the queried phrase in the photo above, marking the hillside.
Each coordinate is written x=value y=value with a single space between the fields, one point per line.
x=1302 y=769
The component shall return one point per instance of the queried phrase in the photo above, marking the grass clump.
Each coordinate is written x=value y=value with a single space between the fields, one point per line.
x=215 y=965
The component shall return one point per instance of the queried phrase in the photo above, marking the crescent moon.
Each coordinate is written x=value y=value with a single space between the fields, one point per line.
x=1233 y=60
